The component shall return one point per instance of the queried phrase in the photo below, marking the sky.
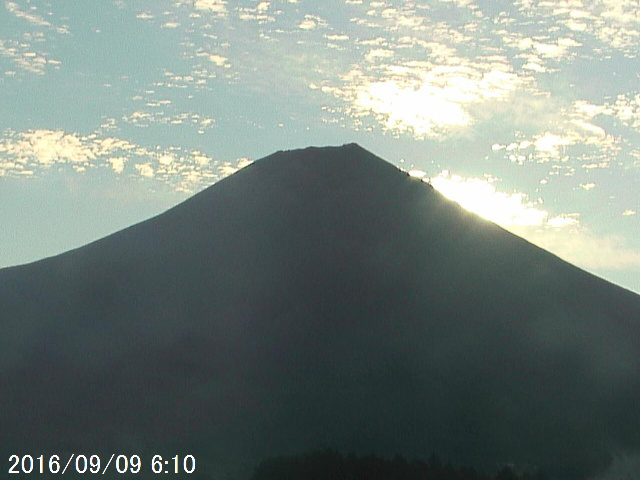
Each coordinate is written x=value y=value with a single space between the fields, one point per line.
x=525 y=112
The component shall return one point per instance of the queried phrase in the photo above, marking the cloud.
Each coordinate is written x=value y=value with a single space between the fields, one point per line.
x=257 y=13
x=117 y=163
x=311 y=22
x=144 y=119
x=21 y=49
x=615 y=23
x=219 y=60
x=626 y=108
x=425 y=99
x=145 y=169
x=47 y=147
x=25 y=58
x=334 y=37
x=30 y=17
x=216 y=7
x=573 y=127
x=36 y=151
x=550 y=144
x=229 y=168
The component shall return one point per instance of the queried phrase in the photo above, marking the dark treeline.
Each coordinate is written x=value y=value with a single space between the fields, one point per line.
x=331 y=465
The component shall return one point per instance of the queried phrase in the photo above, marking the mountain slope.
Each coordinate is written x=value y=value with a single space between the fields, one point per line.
x=319 y=298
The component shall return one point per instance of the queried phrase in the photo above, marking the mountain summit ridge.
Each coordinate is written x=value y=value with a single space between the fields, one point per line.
x=320 y=298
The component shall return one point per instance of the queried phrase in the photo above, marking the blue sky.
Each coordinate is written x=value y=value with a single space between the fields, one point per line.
x=526 y=112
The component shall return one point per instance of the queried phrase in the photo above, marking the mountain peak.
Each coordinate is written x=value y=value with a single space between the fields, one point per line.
x=303 y=173
x=349 y=157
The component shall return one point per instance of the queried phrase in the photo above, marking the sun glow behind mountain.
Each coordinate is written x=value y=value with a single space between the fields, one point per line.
x=563 y=234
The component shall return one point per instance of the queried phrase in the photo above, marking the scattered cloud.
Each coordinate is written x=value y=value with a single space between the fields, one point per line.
x=425 y=99
x=615 y=23
x=145 y=169
x=335 y=37
x=46 y=147
x=219 y=60
x=145 y=16
x=117 y=163
x=216 y=7
x=33 y=152
x=30 y=17
x=258 y=13
x=26 y=49
x=311 y=22
x=229 y=168
x=25 y=58
x=147 y=118
x=574 y=129
x=626 y=108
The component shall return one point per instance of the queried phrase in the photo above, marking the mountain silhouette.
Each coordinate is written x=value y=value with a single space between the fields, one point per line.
x=319 y=298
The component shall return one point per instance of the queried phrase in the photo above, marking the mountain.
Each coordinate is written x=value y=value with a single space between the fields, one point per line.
x=319 y=298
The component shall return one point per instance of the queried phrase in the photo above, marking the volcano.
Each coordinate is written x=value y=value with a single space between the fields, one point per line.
x=319 y=298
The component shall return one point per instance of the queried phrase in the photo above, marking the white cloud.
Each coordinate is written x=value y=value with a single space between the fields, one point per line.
x=144 y=119
x=145 y=169
x=613 y=22
x=551 y=144
x=258 y=13
x=229 y=168
x=217 y=7
x=426 y=99
x=47 y=147
x=30 y=17
x=627 y=109
x=117 y=163
x=36 y=151
x=219 y=60
x=337 y=37
x=573 y=127
x=311 y=22
x=378 y=53
x=23 y=57
x=564 y=220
